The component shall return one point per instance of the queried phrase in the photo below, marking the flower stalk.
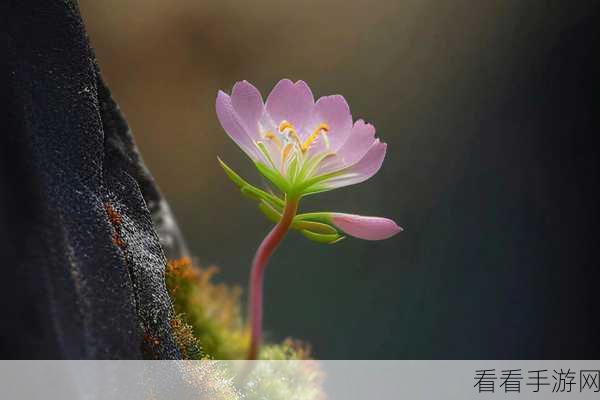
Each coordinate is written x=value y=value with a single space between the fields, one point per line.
x=261 y=258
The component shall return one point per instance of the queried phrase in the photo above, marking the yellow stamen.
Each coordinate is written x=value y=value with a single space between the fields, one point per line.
x=291 y=131
x=271 y=136
x=324 y=128
x=286 y=152
x=286 y=125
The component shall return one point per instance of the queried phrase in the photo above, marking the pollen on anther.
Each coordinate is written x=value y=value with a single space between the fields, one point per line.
x=286 y=125
x=271 y=136
x=322 y=128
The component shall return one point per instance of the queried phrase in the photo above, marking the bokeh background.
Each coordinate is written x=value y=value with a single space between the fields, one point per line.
x=486 y=107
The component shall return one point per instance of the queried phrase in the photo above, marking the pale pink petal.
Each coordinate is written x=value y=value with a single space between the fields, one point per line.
x=292 y=102
x=231 y=124
x=368 y=228
x=248 y=105
x=360 y=140
x=335 y=112
x=362 y=170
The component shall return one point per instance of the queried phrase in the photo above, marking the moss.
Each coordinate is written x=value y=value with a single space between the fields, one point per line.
x=188 y=344
x=275 y=380
x=213 y=311
x=289 y=349
x=208 y=322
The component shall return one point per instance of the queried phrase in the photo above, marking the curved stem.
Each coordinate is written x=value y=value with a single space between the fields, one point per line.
x=264 y=251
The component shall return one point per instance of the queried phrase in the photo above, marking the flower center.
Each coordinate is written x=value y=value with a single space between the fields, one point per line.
x=289 y=132
x=289 y=144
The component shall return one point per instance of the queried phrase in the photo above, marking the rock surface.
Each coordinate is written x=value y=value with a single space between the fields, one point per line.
x=80 y=215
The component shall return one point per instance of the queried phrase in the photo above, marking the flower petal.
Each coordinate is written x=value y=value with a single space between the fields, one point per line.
x=335 y=112
x=360 y=140
x=292 y=102
x=368 y=228
x=230 y=123
x=359 y=172
x=248 y=105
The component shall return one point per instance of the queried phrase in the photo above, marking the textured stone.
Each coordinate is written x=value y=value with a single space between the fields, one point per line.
x=80 y=215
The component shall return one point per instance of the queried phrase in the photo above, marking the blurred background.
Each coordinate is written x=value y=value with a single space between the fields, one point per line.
x=486 y=108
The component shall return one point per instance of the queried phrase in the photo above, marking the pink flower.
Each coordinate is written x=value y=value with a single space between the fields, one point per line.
x=300 y=145
x=303 y=147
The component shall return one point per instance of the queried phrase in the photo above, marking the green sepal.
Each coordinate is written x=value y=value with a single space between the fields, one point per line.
x=254 y=193
x=316 y=184
x=270 y=212
x=323 y=217
x=301 y=225
x=251 y=191
x=273 y=176
x=316 y=227
x=323 y=238
x=312 y=163
x=235 y=178
x=263 y=149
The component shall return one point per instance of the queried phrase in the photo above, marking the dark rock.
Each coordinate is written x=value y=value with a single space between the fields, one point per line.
x=82 y=263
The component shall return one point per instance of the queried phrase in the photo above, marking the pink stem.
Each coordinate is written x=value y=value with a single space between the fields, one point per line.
x=264 y=251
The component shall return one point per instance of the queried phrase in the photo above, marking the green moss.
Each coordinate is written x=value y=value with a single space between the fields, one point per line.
x=289 y=349
x=275 y=380
x=188 y=344
x=212 y=311
x=208 y=322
